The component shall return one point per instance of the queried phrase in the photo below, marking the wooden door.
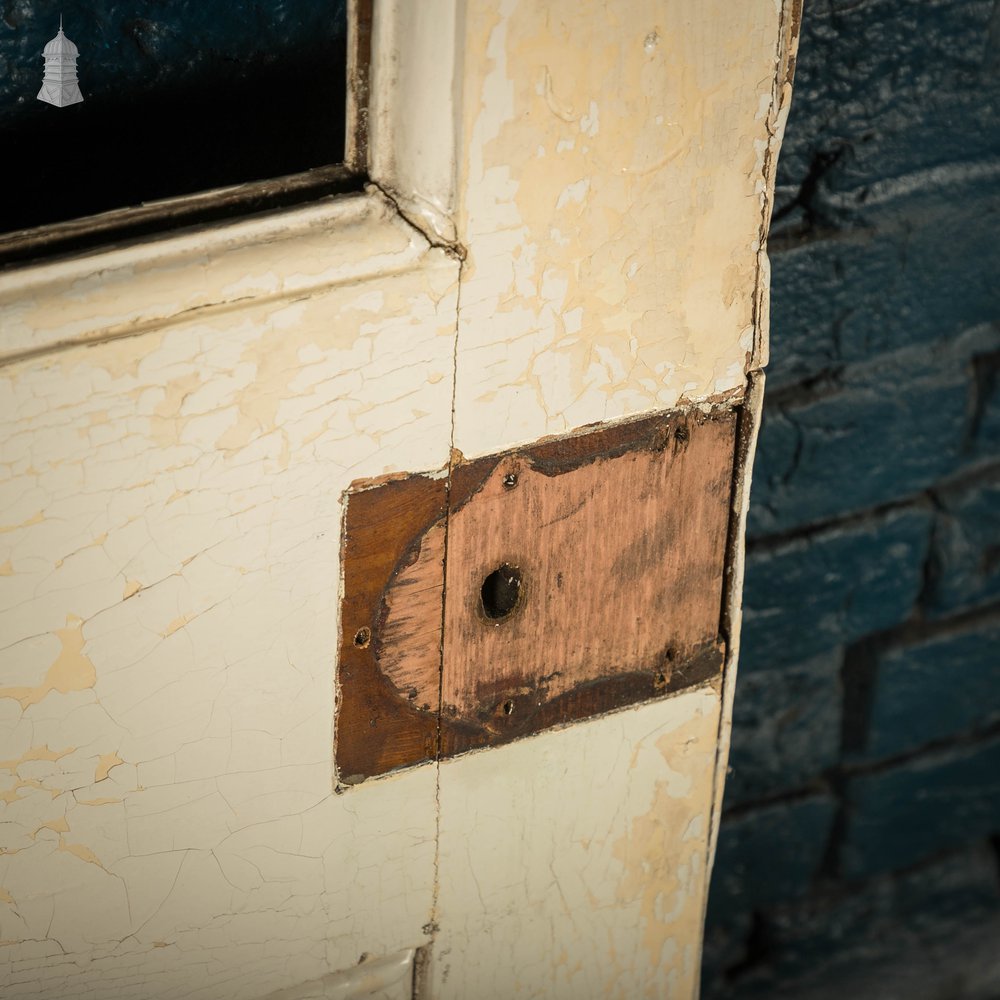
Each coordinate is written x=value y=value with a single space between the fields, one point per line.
x=565 y=234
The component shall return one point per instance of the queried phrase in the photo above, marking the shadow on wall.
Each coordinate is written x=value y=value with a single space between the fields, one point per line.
x=859 y=845
x=178 y=98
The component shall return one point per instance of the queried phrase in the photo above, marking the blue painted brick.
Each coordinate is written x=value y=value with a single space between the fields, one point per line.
x=887 y=88
x=724 y=945
x=786 y=728
x=807 y=596
x=935 y=689
x=877 y=285
x=859 y=448
x=966 y=548
x=985 y=431
x=878 y=919
x=896 y=426
x=928 y=805
x=768 y=855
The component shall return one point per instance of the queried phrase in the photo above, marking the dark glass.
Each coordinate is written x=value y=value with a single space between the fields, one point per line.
x=179 y=96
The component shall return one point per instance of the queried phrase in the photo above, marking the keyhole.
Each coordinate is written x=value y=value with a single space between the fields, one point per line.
x=501 y=592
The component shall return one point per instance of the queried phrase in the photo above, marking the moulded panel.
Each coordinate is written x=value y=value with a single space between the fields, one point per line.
x=169 y=600
x=573 y=863
x=124 y=291
x=388 y=978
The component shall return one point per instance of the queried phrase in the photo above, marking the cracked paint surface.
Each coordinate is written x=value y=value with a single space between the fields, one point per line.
x=168 y=825
x=182 y=419
x=612 y=186
x=573 y=863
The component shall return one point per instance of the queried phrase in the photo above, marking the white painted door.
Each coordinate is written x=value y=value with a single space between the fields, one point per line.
x=570 y=230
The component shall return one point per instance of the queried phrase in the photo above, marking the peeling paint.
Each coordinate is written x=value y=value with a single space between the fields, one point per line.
x=71 y=670
x=521 y=881
x=167 y=637
x=180 y=418
x=597 y=147
x=80 y=851
x=55 y=825
x=105 y=764
x=663 y=857
x=35 y=753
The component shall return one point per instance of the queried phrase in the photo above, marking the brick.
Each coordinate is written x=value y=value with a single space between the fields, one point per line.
x=724 y=945
x=768 y=855
x=786 y=728
x=875 y=920
x=810 y=595
x=890 y=87
x=926 y=806
x=965 y=552
x=875 y=285
x=984 y=437
x=894 y=427
x=935 y=689
x=859 y=448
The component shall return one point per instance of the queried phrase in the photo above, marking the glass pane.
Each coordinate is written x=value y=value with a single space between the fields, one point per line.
x=178 y=96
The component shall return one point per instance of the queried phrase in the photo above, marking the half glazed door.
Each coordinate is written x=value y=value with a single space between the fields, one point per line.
x=370 y=591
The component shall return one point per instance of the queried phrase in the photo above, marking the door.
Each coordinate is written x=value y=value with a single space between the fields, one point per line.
x=564 y=236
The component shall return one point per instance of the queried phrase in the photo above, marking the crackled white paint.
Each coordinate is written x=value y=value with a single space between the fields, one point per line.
x=573 y=864
x=171 y=528
x=179 y=420
x=613 y=188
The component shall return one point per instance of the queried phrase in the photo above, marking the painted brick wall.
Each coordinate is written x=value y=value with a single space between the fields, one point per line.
x=863 y=805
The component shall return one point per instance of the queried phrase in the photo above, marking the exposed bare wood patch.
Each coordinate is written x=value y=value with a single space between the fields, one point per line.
x=582 y=574
x=377 y=729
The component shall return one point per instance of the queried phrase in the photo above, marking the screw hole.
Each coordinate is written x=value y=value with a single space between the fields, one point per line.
x=362 y=637
x=508 y=708
x=510 y=481
x=501 y=592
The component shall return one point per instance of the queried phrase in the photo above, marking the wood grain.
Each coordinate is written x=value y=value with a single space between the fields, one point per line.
x=621 y=555
x=379 y=729
x=619 y=539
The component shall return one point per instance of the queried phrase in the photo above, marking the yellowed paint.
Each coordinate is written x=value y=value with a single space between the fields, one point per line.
x=80 y=851
x=35 y=753
x=598 y=143
x=12 y=794
x=172 y=554
x=208 y=818
x=6 y=897
x=177 y=624
x=663 y=857
x=605 y=881
x=36 y=518
x=71 y=671
x=98 y=541
x=104 y=765
x=55 y=825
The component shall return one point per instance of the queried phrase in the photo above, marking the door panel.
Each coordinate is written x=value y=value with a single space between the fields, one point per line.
x=567 y=231
x=172 y=514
